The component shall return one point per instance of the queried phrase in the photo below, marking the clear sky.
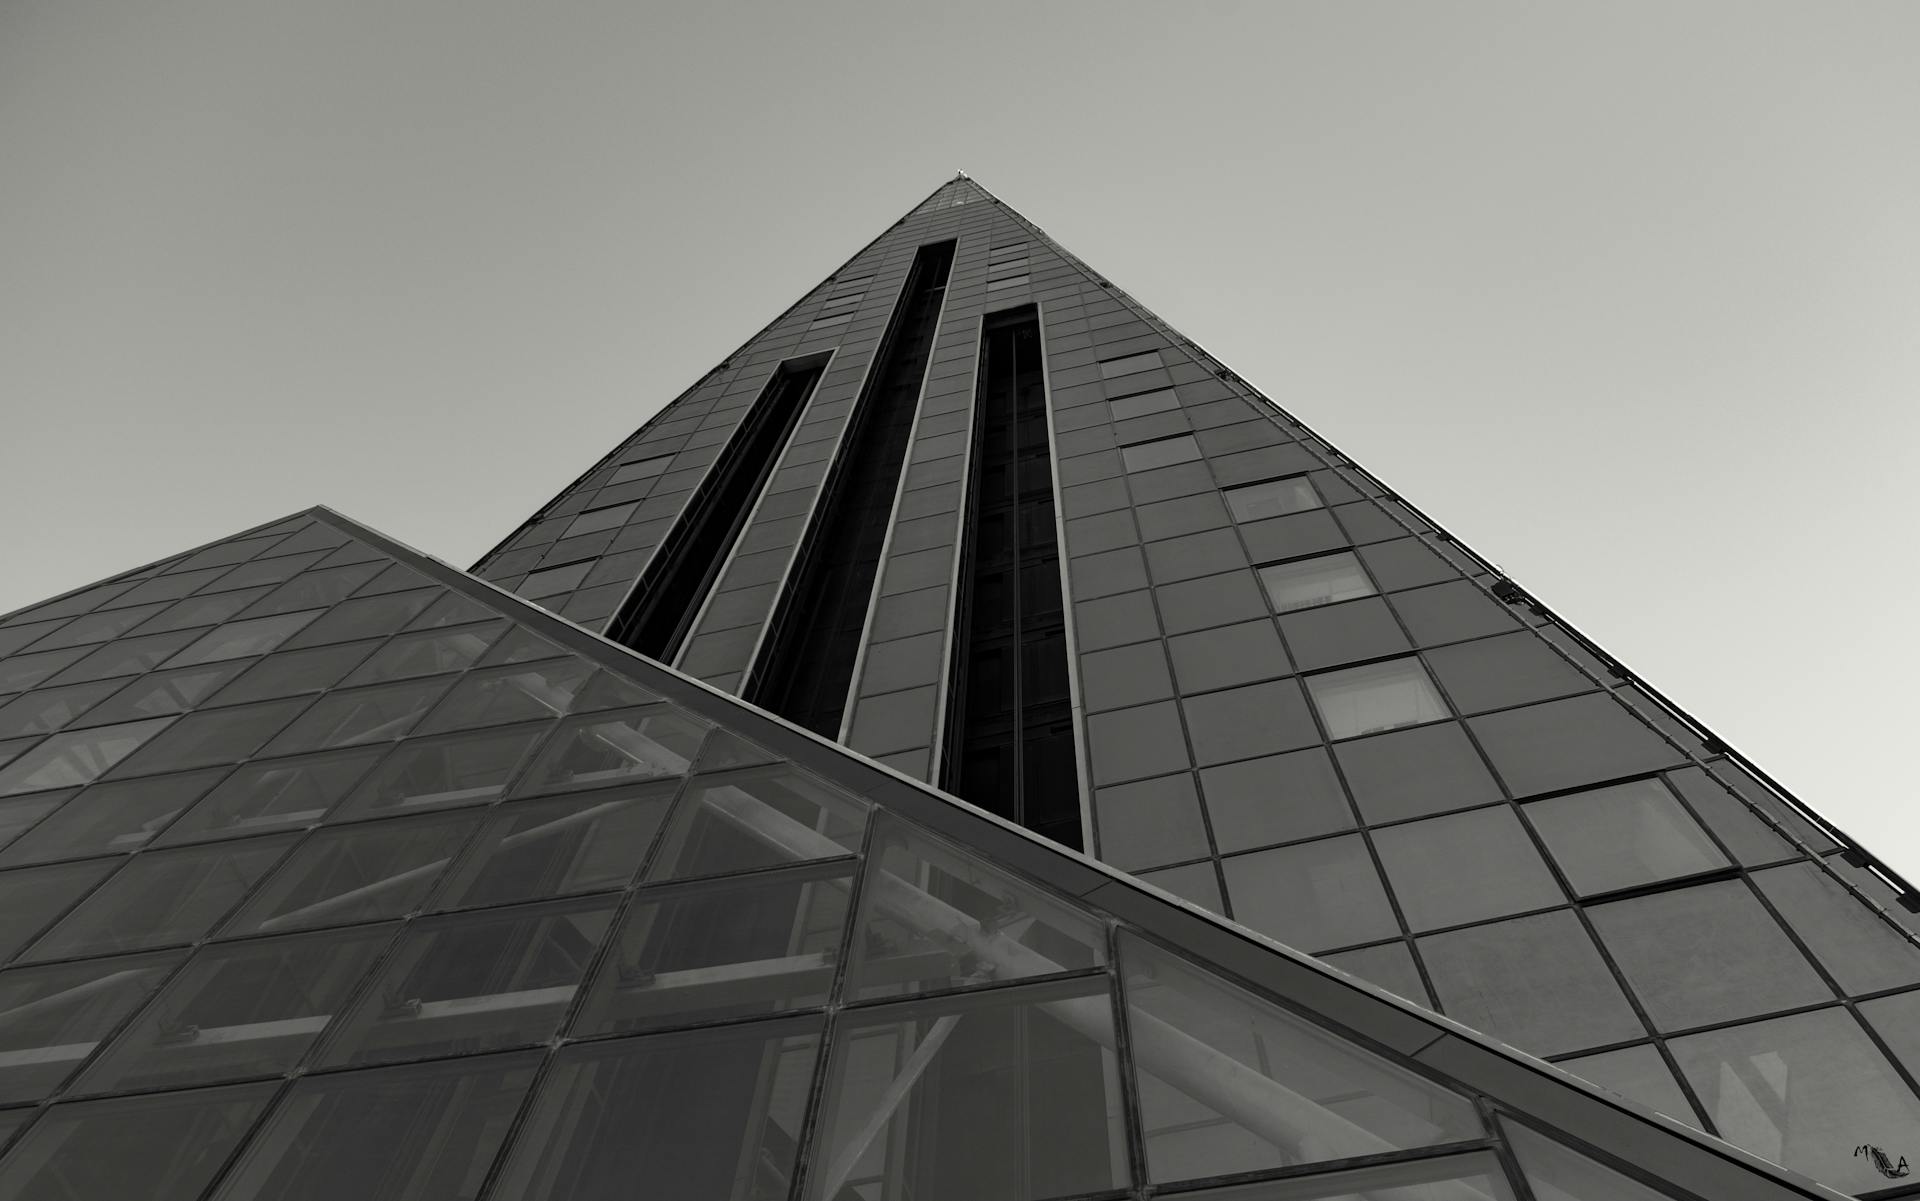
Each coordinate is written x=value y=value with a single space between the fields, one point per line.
x=1626 y=294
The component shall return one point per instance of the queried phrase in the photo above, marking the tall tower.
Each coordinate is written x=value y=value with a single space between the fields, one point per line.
x=629 y=864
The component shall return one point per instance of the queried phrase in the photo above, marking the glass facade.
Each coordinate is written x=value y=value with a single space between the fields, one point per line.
x=327 y=870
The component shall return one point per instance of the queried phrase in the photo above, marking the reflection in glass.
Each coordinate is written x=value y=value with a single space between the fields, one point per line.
x=1229 y=1083
x=1004 y=1093
x=552 y=848
x=615 y=748
x=761 y=818
x=1310 y=582
x=717 y=1113
x=1559 y=1173
x=276 y=794
x=509 y=694
x=165 y=1147
x=1618 y=837
x=76 y=757
x=1378 y=696
x=427 y=653
x=163 y=693
x=52 y=1018
x=240 y=639
x=31 y=897
x=355 y=874
x=377 y=714
x=111 y=818
x=458 y=769
x=1472 y=1177
x=47 y=710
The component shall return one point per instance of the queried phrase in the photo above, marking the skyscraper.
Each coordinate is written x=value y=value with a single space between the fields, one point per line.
x=328 y=870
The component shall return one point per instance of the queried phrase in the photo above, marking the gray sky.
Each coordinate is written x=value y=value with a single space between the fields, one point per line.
x=1625 y=294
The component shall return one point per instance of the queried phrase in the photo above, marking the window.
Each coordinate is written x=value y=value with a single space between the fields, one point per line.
x=1130 y=365
x=1559 y=1173
x=1536 y=982
x=1143 y=403
x=1312 y=896
x=550 y=849
x=212 y=736
x=645 y=469
x=34 y=896
x=57 y=1015
x=161 y=898
x=1464 y=867
x=1378 y=696
x=1280 y=798
x=380 y=713
x=594 y=520
x=454 y=769
x=1274 y=498
x=127 y=657
x=79 y=757
x=1144 y=456
x=1864 y=952
x=1630 y=834
x=273 y=795
x=163 y=693
x=1309 y=582
x=47 y=710
x=760 y=818
x=291 y=673
x=616 y=748
x=355 y=874
x=111 y=818
x=243 y=638
x=363 y=617
x=501 y=695
x=132 y=1147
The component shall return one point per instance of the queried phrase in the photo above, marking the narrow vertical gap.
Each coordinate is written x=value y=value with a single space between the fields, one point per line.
x=1010 y=715
x=659 y=612
x=806 y=666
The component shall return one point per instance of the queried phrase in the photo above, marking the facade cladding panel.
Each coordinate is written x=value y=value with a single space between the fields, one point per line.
x=309 y=844
x=369 y=880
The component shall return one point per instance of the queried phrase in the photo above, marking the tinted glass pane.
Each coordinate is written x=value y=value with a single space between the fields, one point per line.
x=717 y=1113
x=1277 y=799
x=1130 y=365
x=162 y=693
x=509 y=694
x=1638 y=1074
x=21 y=813
x=1310 y=582
x=1378 y=696
x=552 y=848
x=127 y=657
x=110 y=818
x=273 y=795
x=1475 y=1177
x=239 y=639
x=760 y=818
x=320 y=589
x=31 y=897
x=458 y=769
x=1389 y=965
x=377 y=714
x=1803 y=1091
x=160 y=898
x=474 y=982
x=1863 y=951
x=47 y=710
x=1559 y=1173
x=425 y=1133
x=1462 y=868
x=52 y=1018
x=1151 y=822
x=1148 y=455
x=615 y=748
x=77 y=756
x=1536 y=982
x=356 y=874
x=1415 y=772
x=1007 y=1092
x=427 y=653
x=243 y=1009
x=97 y=627
x=1193 y=1033
x=216 y=736
x=1313 y=896
x=933 y=917
x=159 y=1148
x=762 y=944
x=1271 y=499
x=364 y=617
x=1609 y=838
x=292 y=673
x=1705 y=954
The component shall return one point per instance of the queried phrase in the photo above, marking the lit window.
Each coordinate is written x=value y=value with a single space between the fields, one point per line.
x=1114 y=368
x=1379 y=696
x=1166 y=451
x=1321 y=581
x=1275 y=498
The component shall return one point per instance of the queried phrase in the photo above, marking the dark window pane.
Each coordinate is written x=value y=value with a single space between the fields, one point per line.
x=1240 y=723
x=32 y=897
x=427 y=653
x=716 y=1113
x=52 y=1018
x=1638 y=1074
x=161 y=898
x=1862 y=950
x=76 y=757
x=1705 y=954
x=1559 y=1173
x=1277 y=799
x=1412 y=773
x=24 y=671
x=238 y=1010
x=510 y=694
x=1618 y=837
x=615 y=748
x=1145 y=456
x=199 y=611
x=47 y=710
x=110 y=818
x=1472 y=1177
x=473 y=982
x=1312 y=896
x=364 y=617
x=761 y=818
x=1150 y=822
x=553 y=848
x=322 y=589
x=292 y=673
x=1228 y=655
x=459 y=769
x=452 y=609
x=1536 y=982
x=277 y=794
x=1494 y=673
x=761 y=944
x=1378 y=696
x=162 y=694
x=1465 y=867
x=355 y=874
x=241 y=639
x=378 y=714
x=1567 y=743
x=20 y=814
x=215 y=736
x=520 y=645
x=1389 y=965
x=97 y=627
x=1007 y=1092
x=159 y=1148
x=127 y=657
x=421 y=1133
x=1194 y=1033
x=1195 y=882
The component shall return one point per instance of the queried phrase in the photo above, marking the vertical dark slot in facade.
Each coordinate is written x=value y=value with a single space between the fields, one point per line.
x=660 y=612
x=807 y=664
x=1010 y=715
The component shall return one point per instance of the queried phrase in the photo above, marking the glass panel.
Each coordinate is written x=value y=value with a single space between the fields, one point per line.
x=356 y=874
x=1559 y=1173
x=427 y=653
x=549 y=849
x=615 y=749
x=1474 y=1177
x=241 y=639
x=1378 y=696
x=510 y=694
x=163 y=693
x=1150 y=822
x=199 y=611
x=240 y=1009
x=1274 y=498
x=521 y=645
x=215 y=736
x=1705 y=954
x=321 y=589
x=273 y=795
x=19 y=815
x=1145 y=456
x=1464 y=867
x=1130 y=365
x=1007 y=1093
x=1312 y=896
x=724 y=749
x=364 y=617
x=761 y=818
x=474 y=982
x=420 y=1133
x=1618 y=837
x=722 y=948
x=381 y=713
x=1310 y=582
x=158 y=1148
x=1896 y=1019
x=1205 y=1053
x=129 y=656
x=161 y=897
x=451 y=609
x=1535 y=982
x=1638 y=1074
x=110 y=818
x=51 y=1018
x=716 y=1113
x=459 y=769
x=1389 y=966
x=1276 y=799
x=1144 y=403
x=24 y=671
x=32 y=897
x=97 y=627
x=1862 y=950
x=76 y=757
x=293 y=673
x=934 y=917
x=47 y=710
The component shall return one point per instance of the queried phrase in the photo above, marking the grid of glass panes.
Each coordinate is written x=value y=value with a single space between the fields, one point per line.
x=465 y=884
